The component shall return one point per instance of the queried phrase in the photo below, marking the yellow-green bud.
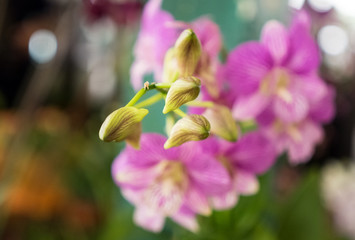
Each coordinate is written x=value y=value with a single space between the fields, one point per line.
x=187 y=52
x=171 y=71
x=123 y=124
x=222 y=122
x=190 y=128
x=181 y=91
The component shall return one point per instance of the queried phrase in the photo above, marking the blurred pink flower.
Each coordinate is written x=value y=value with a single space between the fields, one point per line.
x=156 y=36
x=172 y=183
x=251 y=155
x=299 y=138
x=279 y=72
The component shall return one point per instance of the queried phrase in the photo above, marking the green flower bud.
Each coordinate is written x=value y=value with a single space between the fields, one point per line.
x=171 y=72
x=123 y=124
x=222 y=122
x=187 y=52
x=190 y=128
x=181 y=91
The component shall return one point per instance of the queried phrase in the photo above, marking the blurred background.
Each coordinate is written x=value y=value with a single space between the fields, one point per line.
x=64 y=65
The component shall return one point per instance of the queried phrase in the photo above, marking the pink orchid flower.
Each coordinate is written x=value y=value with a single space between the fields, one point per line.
x=299 y=138
x=173 y=183
x=251 y=155
x=280 y=71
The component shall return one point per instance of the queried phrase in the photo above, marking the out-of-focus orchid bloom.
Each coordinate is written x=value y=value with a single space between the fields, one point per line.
x=251 y=155
x=157 y=35
x=278 y=72
x=299 y=138
x=172 y=183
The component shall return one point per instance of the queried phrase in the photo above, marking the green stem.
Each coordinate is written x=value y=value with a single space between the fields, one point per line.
x=180 y=113
x=150 y=101
x=136 y=97
x=162 y=85
x=196 y=103
x=159 y=86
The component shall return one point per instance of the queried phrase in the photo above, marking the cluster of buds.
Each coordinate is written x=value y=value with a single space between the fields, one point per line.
x=180 y=86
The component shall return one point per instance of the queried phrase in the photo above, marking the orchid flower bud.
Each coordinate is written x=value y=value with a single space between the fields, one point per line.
x=171 y=70
x=187 y=52
x=123 y=124
x=190 y=128
x=181 y=91
x=222 y=122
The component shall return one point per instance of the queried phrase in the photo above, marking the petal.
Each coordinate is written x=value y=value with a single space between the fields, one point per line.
x=266 y=117
x=291 y=109
x=246 y=183
x=275 y=37
x=312 y=87
x=303 y=54
x=186 y=218
x=210 y=145
x=133 y=196
x=324 y=109
x=138 y=168
x=129 y=175
x=246 y=67
x=155 y=38
x=157 y=28
x=302 y=151
x=197 y=201
x=152 y=150
x=225 y=201
x=249 y=107
x=164 y=196
x=253 y=152
x=311 y=132
x=208 y=175
x=209 y=35
x=148 y=219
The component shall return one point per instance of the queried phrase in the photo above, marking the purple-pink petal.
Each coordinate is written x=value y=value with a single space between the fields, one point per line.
x=157 y=35
x=303 y=55
x=250 y=106
x=149 y=219
x=292 y=110
x=225 y=200
x=186 y=218
x=324 y=109
x=209 y=35
x=302 y=151
x=275 y=37
x=208 y=175
x=246 y=183
x=197 y=201
x=246 y=67
x=253 y=153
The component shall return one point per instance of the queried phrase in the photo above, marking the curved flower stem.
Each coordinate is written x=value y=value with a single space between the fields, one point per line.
x=196 y=103
x=180 y=112
x=150 y=101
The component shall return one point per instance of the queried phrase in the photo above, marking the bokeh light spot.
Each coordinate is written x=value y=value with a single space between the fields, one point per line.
x=333 y=40
x=296 y=4
x=42 y=46
x=321 y=5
